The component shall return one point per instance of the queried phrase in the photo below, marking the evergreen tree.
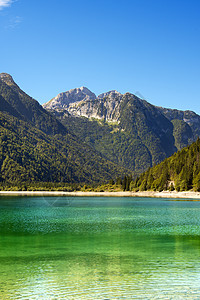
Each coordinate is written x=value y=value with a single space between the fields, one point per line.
x=183 y=168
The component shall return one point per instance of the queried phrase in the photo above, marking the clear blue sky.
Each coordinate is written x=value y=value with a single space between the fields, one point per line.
x=149 y=47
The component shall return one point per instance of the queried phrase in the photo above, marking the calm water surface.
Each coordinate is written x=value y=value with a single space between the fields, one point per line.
x=99 y=248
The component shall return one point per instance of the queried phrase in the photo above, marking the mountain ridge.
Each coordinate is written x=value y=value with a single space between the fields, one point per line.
x=35 y=146
x=187 y=116
x=27 y=108
x=62 y=100
x=140 y=134
x=110 y=131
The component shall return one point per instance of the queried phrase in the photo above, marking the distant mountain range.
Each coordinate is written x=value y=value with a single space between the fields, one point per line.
x=124 y=128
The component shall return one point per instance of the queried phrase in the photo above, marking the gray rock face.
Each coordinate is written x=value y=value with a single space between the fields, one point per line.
x=82 y=102
x=105 y=107
x=111 y=95
x=66 y=99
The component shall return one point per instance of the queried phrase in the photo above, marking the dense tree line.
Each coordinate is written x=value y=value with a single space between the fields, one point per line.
x=181 y=171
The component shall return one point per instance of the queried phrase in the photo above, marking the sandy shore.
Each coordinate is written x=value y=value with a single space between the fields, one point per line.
x=164 y=194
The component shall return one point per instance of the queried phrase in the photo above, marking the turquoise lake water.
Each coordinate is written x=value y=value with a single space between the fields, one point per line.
x=99 y=248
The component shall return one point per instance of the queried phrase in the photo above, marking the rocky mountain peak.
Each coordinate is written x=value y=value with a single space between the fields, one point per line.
x=85 y=90
x=63 y=100
x=82 y=91
x=7 y=78
x=111 y=94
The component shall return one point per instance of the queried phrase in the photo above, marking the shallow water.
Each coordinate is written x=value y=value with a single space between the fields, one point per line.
x=99 y=248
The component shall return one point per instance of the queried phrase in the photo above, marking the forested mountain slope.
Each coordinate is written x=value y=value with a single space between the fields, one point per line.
x=35 y=146
x=124 y=128
x=180 y=171
x=22 y=106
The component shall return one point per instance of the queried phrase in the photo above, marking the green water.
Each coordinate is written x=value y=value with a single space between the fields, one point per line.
x=99 y=248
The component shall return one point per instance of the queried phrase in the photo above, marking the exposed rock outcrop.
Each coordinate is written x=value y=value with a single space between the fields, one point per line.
x=66 y=99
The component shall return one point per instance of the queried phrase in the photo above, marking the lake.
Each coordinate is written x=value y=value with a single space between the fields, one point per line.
x=99 y=248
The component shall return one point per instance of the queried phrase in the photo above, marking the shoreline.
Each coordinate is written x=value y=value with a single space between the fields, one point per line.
x=163 y=194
